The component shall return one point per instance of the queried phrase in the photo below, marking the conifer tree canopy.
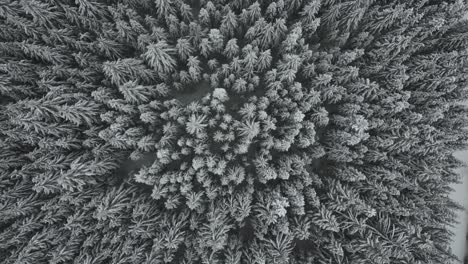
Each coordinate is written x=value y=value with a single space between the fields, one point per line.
x=230 y=131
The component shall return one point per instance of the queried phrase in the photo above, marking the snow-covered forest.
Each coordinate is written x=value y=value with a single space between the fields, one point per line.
x=236 y=132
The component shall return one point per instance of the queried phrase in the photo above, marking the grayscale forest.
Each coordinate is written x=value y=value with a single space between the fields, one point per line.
x=231 y=131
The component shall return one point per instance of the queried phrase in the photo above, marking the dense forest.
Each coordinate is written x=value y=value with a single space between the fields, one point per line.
x=230 y=131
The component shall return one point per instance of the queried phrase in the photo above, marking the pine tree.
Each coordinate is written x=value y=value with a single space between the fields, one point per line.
x=158 y=57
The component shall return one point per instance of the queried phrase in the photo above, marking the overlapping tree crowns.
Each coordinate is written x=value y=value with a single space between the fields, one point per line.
x=281 y=117
x=323 y=135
